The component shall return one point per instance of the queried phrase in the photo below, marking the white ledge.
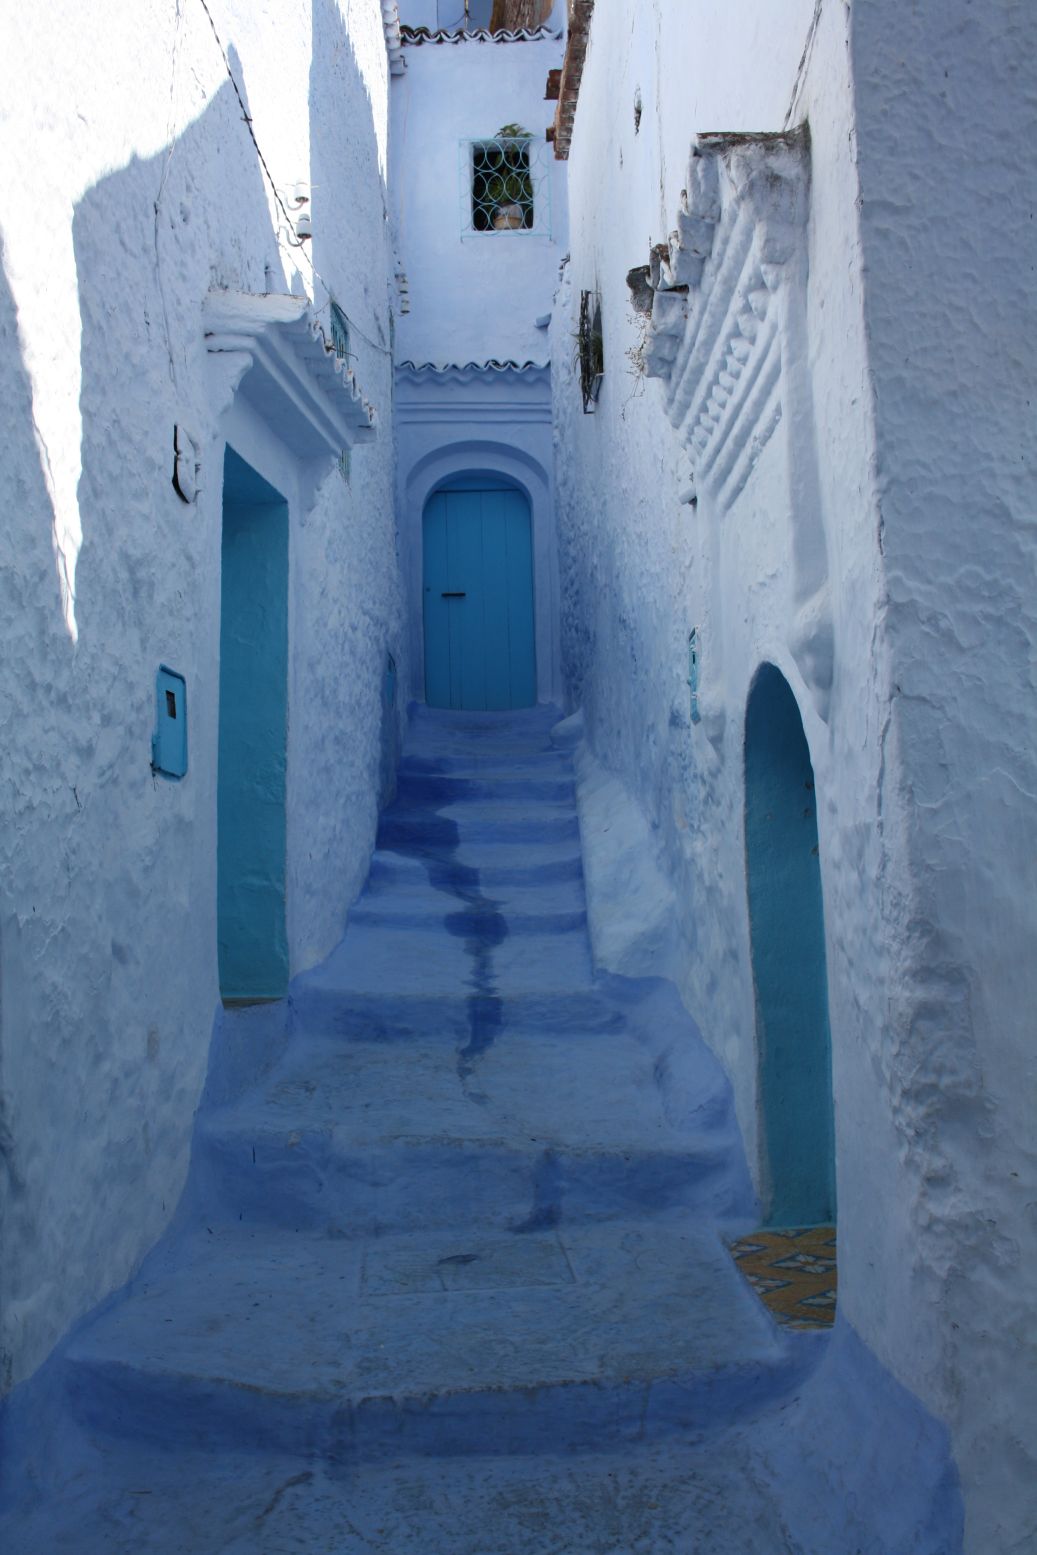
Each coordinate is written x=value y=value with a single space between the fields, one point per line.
x=290 y=374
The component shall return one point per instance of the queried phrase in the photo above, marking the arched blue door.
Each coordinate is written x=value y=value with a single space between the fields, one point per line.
x=478 y=582
x=786 y=918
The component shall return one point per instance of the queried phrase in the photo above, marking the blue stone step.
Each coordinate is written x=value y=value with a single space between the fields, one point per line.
x=487 y=764
x=406 y=829
x=357 y=1015
x=438 y=789
x=552 y=864
x=459 y=1342
x=399 y=916
x=376 y=1136
x=450 y=958
x=400 y=885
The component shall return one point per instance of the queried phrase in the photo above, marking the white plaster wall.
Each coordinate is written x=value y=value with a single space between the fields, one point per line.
x=921 y=517
x=475 y=298
x=129 y=187
x=951 y=313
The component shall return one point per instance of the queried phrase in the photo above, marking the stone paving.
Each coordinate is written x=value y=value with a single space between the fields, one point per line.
x=451 y=1272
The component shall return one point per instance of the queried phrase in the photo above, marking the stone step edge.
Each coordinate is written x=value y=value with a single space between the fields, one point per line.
x=176 y=1408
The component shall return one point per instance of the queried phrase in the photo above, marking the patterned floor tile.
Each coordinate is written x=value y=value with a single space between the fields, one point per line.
x=793 y=1273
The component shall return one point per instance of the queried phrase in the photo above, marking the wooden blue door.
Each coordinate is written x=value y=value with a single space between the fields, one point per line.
x=478 y=579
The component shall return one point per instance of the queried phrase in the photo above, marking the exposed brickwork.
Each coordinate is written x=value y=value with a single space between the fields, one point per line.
x=580 y=13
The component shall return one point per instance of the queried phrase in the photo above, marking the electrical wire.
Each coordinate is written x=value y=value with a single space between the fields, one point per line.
x=299 y=243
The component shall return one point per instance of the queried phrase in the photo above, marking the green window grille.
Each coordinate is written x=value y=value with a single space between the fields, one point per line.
x=340 y=345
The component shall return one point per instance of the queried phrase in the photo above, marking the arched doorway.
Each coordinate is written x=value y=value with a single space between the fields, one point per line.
x=478 y=596
x=786 y=918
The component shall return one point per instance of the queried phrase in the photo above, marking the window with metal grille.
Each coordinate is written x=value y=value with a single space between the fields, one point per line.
x=340 y=345
x=591 y=349
x=502 y=182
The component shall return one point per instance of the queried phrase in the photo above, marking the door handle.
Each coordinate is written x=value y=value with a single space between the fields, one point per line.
x=447 y=594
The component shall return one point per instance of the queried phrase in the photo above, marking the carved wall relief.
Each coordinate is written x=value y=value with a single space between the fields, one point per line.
x=727 y=341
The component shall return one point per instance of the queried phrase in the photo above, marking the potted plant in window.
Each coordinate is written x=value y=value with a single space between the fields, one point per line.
x=504 y=174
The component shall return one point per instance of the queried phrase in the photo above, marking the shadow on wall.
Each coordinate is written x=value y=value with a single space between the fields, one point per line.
x=786 y=918
x=103 y=865
x=342 y=157
x=39 y=658
x=344 y=148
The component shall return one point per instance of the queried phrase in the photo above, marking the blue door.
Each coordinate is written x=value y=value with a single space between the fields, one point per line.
x=787 y=924
x=478 y=578
x=251 y=846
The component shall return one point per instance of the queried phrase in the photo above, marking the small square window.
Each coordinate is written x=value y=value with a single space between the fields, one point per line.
x=503 y=182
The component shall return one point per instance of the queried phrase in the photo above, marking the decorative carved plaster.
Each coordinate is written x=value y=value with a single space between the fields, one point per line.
x=727 y=339
x=483 y=393
x=275 y=355
x=716 y=332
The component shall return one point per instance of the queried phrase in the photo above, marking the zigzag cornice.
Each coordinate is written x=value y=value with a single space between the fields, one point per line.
x=468 y=372
x=414 y=37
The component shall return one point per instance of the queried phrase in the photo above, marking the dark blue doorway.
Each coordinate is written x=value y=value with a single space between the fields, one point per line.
x=251 y=848
x=786 y=918
x=478 y=593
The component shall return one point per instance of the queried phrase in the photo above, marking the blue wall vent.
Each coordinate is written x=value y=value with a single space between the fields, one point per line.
x=169 y=741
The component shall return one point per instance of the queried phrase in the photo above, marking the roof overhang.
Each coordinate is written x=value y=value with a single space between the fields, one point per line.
x=290 y=375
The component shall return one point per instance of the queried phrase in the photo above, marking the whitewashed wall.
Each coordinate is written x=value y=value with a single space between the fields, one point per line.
x=911 y=394
x=477 y=297
x=128 y=188
x=951 y=310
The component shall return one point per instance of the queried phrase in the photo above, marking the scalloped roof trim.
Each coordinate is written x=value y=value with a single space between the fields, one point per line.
x=492 y=366
x=414 y=37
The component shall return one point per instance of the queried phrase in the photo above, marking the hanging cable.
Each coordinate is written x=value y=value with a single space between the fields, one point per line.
x=299 y=244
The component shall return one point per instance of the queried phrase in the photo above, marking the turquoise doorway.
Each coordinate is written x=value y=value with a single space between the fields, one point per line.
x=253 y=737
x=787 y=929
x=478 y=596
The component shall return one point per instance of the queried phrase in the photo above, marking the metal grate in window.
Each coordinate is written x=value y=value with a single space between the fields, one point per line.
x=340 y=346
x=591 y=349
x=504 y=183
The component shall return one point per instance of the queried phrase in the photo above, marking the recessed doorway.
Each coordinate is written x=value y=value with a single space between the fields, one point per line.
x=253 y=737
x=786 y=918
x=478 y=596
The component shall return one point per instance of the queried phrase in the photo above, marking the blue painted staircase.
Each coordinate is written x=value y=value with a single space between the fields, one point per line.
x=449 y=1274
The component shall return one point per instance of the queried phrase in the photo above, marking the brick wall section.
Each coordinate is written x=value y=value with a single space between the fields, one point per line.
x=580 y=13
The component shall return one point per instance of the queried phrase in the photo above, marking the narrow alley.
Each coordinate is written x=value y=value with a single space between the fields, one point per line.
x=450 y=1271
x=518 y=777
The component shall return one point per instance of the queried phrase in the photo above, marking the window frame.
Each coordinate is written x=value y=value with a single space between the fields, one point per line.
x=537 y=171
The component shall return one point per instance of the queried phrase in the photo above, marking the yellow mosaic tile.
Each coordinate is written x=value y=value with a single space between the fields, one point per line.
x=793 y=1272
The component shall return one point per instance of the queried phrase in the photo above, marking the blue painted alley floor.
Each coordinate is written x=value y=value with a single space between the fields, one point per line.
x=449 y=1277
